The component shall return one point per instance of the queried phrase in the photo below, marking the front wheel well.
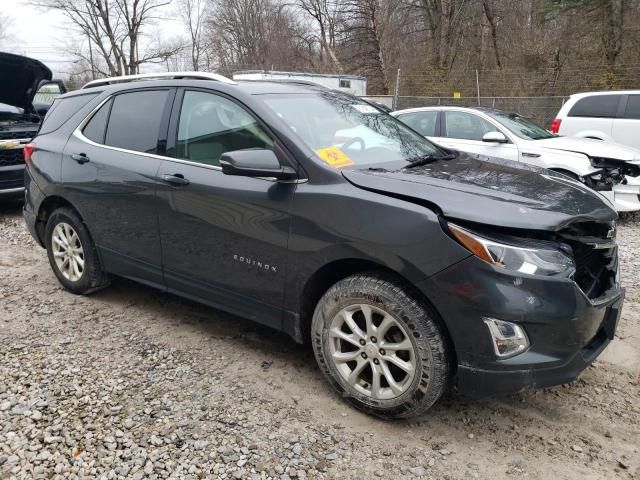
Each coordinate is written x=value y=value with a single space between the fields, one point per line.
x=328 y=275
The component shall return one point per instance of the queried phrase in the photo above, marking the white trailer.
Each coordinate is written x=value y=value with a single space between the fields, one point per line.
x=347 y=83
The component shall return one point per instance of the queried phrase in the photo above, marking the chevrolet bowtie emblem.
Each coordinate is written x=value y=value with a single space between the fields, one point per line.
x=9 y=144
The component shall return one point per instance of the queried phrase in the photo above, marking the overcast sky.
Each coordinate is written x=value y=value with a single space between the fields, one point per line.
x=43 y=34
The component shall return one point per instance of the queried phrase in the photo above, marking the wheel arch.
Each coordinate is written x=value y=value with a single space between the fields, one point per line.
x=594 y=135
x=46 y=208
x=331 y=273
x=564 y=171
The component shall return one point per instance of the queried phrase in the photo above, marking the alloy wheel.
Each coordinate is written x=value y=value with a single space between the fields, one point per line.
x=372 y=351
x=67 y=251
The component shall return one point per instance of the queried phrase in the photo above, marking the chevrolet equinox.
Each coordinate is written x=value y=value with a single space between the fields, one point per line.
x=409 y=268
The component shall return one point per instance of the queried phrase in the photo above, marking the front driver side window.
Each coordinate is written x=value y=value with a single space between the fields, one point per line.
x=211 y=125
x=467 y=126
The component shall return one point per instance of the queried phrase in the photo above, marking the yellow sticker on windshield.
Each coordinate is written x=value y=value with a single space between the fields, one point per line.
x=334 y=157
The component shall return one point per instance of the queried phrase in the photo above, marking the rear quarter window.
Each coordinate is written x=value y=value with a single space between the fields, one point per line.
x=602 y=106
x=62 y=110
x=97 y=126
x=633 y=107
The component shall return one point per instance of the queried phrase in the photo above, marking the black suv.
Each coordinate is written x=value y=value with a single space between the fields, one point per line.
x=21 y=79
x=409 y=268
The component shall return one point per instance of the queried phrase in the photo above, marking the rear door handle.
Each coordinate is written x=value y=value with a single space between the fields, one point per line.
x=80 y=157
x=175 y=179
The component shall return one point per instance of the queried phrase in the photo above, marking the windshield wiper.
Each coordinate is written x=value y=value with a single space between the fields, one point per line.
x=426 y=159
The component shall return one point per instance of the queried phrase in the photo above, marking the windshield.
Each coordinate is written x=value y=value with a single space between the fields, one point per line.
x=344 y=131
x=520 y=126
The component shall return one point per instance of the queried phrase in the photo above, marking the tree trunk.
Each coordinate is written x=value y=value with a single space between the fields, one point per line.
x=494 y=33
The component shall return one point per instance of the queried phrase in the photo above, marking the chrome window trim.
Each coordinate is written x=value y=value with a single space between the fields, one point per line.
x=80 y=136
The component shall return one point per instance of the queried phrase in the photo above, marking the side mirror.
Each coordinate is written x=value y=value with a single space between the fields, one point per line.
x=494 y=137
x=48 y=91
x=255 y=163
x=52 y=86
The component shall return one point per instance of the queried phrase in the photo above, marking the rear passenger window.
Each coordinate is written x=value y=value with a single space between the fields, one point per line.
x=422 y=122
x=604 y=106
x=211 y=125
x=633 y=107
x=95 y=129
x=135 y=120
x=467 y=126
x=62 y=110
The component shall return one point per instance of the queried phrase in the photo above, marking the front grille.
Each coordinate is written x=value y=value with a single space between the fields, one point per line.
x=15 y=135
x=596 y=256
x=11 y=179
x=10 y=157
x=587 y=231
x=595 y=269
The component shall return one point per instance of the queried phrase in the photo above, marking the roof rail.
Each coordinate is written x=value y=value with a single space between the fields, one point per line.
x=292 y=81
x=162 y=75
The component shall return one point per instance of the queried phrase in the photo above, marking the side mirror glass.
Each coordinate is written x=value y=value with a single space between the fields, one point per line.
x=494 y=137
x=255 y=163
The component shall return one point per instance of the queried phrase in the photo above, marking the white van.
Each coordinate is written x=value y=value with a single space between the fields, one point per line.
x=611 y=116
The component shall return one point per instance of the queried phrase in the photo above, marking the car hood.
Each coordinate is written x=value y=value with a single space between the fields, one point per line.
x=491 y=191
x=590 y=147
x=19 y=80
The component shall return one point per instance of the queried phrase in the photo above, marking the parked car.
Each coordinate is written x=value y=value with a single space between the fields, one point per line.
x=20 y=79
x=609 y=168
x=409 y=268
x=612 y=116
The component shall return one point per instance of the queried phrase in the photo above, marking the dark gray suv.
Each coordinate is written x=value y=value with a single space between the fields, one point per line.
x=409 y=268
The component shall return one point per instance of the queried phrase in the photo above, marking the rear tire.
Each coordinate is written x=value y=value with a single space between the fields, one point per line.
x=72 y=254
x=380 y=348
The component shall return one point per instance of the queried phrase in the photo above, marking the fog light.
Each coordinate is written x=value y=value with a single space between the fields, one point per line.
x=508 y=338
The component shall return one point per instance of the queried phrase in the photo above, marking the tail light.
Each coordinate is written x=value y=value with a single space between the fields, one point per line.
x=555 y=125
x=28 y=150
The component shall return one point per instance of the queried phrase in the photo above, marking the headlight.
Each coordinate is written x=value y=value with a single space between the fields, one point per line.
x=542 y=260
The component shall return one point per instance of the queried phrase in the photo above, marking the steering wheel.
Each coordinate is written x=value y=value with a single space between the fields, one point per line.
x=350 y=142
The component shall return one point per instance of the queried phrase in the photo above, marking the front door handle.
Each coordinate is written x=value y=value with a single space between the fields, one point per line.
x=80 y=157
x=175 y=179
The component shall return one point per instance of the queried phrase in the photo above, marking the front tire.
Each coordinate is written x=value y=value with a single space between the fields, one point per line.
x=72 y=254
x=380 y=348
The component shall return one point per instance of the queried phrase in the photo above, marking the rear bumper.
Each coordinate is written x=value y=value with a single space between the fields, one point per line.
x=567 y=331
x=33 y=198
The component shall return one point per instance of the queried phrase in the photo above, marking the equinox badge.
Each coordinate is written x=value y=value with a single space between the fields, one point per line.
x=256 y=263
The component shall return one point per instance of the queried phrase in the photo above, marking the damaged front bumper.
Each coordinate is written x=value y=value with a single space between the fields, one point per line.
x=479 y=382
x=567 y=329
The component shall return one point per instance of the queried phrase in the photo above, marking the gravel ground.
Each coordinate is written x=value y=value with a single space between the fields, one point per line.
x=132 y=383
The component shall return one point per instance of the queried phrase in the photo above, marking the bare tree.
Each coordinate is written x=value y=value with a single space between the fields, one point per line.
x=489 y=13
x=5 y=34
x=325 y=14
x=114 y=28
x=193 y=14
x=254 y=34
x=367 y=32
x=444 y=22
